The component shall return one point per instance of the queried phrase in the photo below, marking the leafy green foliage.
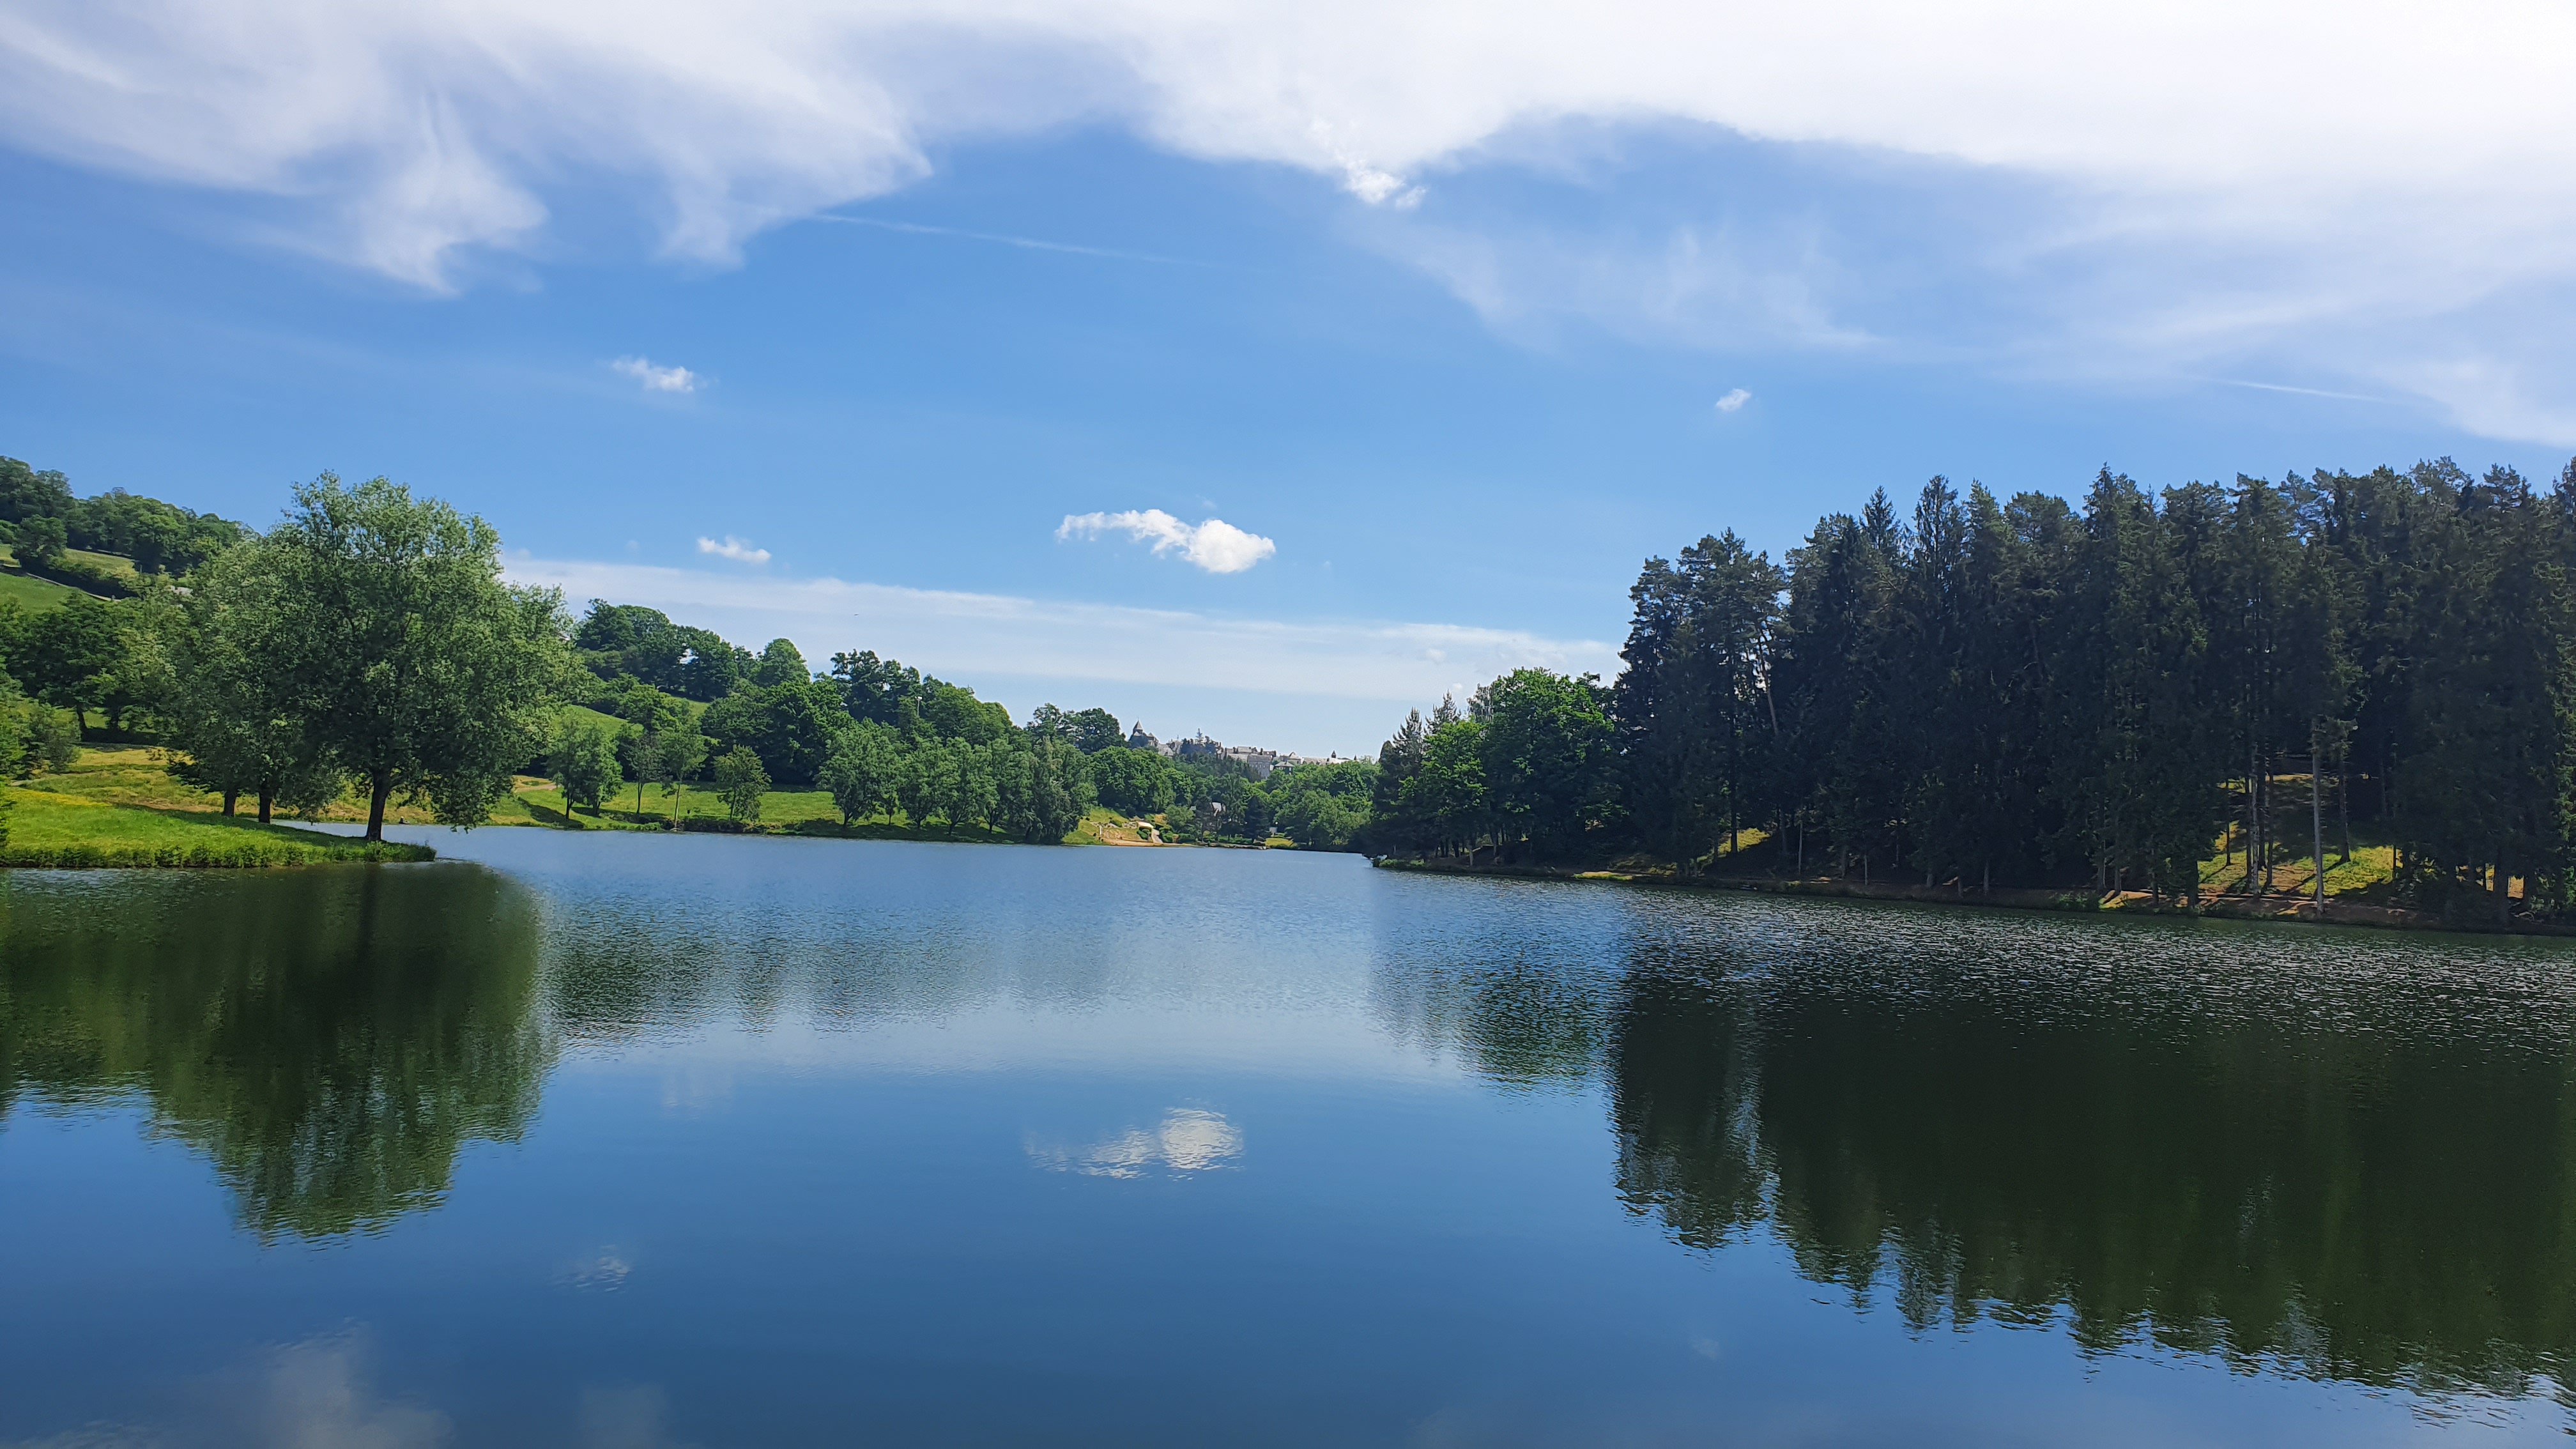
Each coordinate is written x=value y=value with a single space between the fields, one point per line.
x=862 y=772
x=1323 y=807
x=740 y=782
x=53 y=740
x=789 y=726
x=1132 y=782
x=2027 y=693
x=1089 y=730
x=583 y=763
x=779 y=663
x=407 y=660
x=631 y=640
x=1040 y=793
x=78 y=657
x=160 y=538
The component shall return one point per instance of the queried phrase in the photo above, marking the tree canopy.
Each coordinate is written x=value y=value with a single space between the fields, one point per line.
x=409 y=663
x=2027 y=692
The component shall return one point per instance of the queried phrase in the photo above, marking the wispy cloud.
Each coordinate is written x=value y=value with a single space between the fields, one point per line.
x=1734 y=400
x=1215 y=545
x=739 y=550
x=657 y=379
x=1025 y=243
x=2300 y=391
x=441 y=121
x=970 y=634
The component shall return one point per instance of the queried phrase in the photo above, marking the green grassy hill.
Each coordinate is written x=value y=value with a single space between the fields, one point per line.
x=36 y=595
x=33 y=594
x=47 y=829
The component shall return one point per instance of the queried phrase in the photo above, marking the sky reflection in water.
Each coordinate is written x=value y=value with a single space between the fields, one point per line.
x=639 y=1141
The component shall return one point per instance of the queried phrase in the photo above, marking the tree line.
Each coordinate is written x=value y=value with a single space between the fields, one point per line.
x=367 y=643
x=2038 y=692
x=881 y=736
x=40 y=519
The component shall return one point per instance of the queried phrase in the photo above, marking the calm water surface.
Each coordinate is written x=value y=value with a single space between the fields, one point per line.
x=640 y=1141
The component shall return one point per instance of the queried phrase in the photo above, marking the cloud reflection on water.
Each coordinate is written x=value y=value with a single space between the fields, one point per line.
x=1187 y=1140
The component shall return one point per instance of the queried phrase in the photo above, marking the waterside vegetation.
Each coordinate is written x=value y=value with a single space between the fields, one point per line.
x=2157 y=699
x=364 y=660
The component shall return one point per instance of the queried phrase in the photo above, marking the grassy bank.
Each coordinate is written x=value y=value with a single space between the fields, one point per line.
x=49 y=829
x=138 y=779
x=2360 y=889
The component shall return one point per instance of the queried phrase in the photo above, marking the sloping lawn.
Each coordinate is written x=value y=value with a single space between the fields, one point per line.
x=47 y=829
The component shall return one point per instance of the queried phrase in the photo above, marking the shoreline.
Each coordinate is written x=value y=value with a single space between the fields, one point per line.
x=2285 y=909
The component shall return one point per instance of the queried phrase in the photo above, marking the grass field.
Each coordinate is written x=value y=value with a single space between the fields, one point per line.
x=49 y=829
x=808 y=812
x=38 y=594
x=33 y=594
x=2367 y=878
x=139 y=779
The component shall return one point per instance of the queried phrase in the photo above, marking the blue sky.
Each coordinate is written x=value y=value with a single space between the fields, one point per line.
x=1449 y=331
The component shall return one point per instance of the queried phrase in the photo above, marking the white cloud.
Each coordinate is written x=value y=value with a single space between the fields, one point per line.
x=1733 y=400
x=739 y=550
x=657 y=379
x=966 y=635
x=2197 y=182
x=439 y=120
x=1215 y=545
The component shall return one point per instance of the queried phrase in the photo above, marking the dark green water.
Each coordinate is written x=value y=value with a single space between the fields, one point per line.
x=628 y=1141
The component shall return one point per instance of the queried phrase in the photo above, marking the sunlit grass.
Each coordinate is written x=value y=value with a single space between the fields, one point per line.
x=33 y=594
x=52 y=829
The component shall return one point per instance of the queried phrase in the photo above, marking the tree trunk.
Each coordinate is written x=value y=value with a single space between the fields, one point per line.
x=380 y=787
x=231 y=798
x=2317 y=819
x=2343 y=802
x=2503 y=893
x=2262 y=826
x=267 y=799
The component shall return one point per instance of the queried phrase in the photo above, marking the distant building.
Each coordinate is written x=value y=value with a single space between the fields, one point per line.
x=1137 y=739
x=1259 y=762
x=1200 y=747
x=1287 y=760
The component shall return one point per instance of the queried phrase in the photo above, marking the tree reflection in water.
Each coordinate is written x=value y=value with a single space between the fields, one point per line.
x=330 y=1037
x=2364 y=1205
x=2334 y=1156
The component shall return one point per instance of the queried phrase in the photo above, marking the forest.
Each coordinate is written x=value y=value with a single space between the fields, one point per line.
x=881 y=737
x=2031 y=692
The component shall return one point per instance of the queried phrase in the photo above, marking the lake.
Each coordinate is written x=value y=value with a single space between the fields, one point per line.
x=629 y=1140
